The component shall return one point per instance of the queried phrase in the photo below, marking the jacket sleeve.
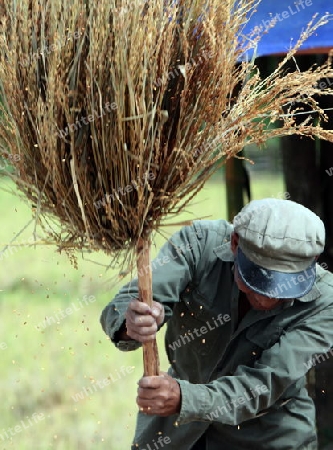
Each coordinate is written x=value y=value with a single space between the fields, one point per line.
x=234 y=399
x=172 y=270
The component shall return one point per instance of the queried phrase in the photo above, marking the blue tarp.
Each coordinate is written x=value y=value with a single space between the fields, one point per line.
x=292 y=17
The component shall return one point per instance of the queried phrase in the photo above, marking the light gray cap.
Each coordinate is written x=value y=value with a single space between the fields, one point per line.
x=282 y=237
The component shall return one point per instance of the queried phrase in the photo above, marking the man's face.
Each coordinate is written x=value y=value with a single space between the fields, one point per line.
x=257 y=301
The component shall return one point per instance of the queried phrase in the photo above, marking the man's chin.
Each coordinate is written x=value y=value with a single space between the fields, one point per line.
x=263 y=308
x=256 y=304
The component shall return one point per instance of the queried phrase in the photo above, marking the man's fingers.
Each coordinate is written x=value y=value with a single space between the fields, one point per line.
x=148 y=404
x=140 y=320
x=145 y=395
x=148 y=331
x=141 y=328
x=144 y=332
x=159 y=395
x=152 y=382
x=136 y=307
x=139 y=307
x=151 y=394
x=158 y=312
x=138 y=337
x=157 y=309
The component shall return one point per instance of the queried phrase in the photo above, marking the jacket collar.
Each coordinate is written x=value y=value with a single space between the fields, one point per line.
x=224 y=252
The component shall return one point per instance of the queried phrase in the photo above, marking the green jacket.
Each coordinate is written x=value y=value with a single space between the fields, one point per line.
x=244 y=387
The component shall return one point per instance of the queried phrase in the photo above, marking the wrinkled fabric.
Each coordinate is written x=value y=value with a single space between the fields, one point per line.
x=243 y=385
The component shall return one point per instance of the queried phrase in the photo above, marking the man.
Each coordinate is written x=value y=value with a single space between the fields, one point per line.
x=246 y=308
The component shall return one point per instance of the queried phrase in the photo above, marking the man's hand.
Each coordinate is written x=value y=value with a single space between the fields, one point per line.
x=160 y=396
x=142 y=322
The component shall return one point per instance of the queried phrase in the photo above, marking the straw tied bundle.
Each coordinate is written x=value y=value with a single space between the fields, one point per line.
x=121 y=110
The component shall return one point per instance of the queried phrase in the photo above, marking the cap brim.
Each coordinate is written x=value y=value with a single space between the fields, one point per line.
x=272 y=283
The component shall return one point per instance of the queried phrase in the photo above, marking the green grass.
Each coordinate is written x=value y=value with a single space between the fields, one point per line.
x=43 y=368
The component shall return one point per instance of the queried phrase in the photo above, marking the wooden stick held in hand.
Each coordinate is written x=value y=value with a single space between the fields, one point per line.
x=150 y=350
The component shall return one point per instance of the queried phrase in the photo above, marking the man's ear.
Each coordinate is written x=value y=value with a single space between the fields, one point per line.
x=234 y=238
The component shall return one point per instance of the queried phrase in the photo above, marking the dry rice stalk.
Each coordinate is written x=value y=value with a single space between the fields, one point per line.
x=120 y=110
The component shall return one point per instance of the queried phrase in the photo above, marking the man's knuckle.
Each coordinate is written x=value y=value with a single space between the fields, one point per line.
x=132 y=306
x=157 y=305
x=145 y=331
x=136 y=320
x=163 y=398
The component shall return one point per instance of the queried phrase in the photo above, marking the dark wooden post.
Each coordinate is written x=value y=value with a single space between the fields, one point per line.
x=235 y=181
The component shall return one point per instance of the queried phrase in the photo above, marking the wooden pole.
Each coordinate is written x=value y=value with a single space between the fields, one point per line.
x=150 y=350
x=234 y=186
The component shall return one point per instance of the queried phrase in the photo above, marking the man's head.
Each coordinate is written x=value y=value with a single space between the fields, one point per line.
x=276 y=244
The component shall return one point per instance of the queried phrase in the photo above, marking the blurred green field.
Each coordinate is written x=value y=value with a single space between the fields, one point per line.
x=44 y=369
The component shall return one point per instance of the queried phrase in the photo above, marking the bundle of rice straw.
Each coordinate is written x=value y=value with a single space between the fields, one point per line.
x=120 y=110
